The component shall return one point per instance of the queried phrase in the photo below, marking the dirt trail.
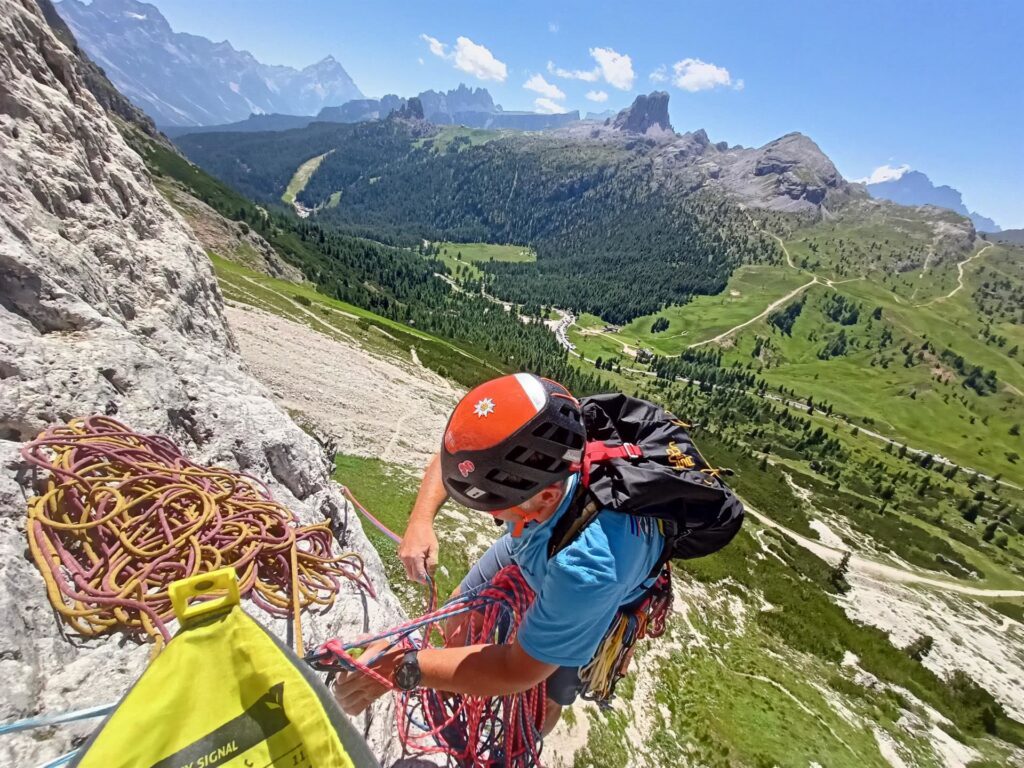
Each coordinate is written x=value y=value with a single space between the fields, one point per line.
x=816 y=280
x=878 y=570
x=771 y=307
x=959 y=278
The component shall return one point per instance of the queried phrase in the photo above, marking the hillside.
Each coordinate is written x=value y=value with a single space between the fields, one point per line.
x=845 y=695
x=759 y=631
x=834 y=485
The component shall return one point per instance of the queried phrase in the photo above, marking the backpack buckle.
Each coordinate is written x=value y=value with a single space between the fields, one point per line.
x=632 y=451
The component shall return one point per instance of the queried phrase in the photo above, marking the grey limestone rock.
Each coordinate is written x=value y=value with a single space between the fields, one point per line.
x=108 y=304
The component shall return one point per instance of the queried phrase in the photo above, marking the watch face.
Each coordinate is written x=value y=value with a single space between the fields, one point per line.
x=407 y=674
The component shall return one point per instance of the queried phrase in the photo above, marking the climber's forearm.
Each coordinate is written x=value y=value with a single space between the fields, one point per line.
x=482 y=670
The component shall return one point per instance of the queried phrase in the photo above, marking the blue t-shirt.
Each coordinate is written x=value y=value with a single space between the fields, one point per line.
x=580 y=589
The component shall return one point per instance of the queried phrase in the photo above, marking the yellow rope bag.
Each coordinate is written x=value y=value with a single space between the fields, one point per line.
x=224 y=694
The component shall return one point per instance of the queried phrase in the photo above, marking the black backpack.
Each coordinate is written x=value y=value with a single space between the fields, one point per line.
x=640 y=460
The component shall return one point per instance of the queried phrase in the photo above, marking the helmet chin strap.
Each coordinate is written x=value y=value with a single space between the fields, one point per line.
x=524 y=518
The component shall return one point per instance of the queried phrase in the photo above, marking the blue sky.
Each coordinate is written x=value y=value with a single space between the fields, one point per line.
x=937 y=86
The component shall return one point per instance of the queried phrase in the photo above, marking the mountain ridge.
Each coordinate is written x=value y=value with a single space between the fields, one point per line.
x=916 y=188
x=179 y=78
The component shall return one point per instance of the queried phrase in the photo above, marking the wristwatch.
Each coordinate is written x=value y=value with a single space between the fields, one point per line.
x=407 y=674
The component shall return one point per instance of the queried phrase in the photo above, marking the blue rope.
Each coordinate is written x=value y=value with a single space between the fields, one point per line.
x=64 y=759
x=64 y=717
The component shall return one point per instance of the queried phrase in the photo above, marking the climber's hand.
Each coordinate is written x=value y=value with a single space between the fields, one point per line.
x=355 y=691
x=418 y=551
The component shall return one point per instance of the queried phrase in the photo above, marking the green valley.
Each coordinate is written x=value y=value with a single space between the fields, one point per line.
x=807 y=348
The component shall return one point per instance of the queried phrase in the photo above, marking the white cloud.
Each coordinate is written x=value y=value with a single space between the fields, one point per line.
x=613 y=67
x=436 y=46
x=660 y=75
x=616 y=68
x=587 y=75
x=548 y=107
x=469 y=57
x=696 y=75
x=599 y=96
x=420 y=61
x=740 y=85
x=478 y=61
x=538 y=84
x=553 y=27
x=885 y=173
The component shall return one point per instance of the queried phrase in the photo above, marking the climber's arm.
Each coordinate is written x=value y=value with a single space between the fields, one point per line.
x=475 y=670
x=418 y=550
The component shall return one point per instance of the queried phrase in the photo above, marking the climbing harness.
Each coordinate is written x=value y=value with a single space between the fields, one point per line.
x=503 y=731
x=122 y=515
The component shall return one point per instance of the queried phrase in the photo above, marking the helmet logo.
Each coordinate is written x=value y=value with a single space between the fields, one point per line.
x=484 y=407
x=466 y=467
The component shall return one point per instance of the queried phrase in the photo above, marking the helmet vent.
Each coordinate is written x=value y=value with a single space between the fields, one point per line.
x=573 y=413
x=510 y=481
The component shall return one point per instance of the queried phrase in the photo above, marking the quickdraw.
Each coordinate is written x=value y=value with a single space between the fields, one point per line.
x=611 y=661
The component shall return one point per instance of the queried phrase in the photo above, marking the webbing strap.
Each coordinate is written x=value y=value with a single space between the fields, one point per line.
x=598 y=452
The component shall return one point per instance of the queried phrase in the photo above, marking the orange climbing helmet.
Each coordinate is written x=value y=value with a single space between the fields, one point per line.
x=508 y=439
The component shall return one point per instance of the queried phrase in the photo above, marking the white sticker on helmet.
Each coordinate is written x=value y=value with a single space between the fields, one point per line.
x=475 y=493
x=533 y=388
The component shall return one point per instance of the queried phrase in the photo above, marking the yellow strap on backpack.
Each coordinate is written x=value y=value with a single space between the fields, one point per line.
x=225 y=694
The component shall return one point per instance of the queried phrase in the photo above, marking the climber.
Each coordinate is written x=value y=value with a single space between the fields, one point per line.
x=513 y=447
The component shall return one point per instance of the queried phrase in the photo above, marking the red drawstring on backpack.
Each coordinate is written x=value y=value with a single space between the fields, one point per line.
x=598 y=452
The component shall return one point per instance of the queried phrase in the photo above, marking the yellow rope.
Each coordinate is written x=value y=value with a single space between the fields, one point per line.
x=122 y=515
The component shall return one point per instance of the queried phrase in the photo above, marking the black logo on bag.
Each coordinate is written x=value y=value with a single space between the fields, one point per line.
x=258 y=723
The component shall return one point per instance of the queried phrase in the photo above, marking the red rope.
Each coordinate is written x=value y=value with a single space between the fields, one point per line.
x=471 y=731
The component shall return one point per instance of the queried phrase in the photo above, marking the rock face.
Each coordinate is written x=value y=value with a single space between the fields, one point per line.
x=108 y=304
x=182 y=79
x=442 y=106
x=792 y=171
x=647 y=115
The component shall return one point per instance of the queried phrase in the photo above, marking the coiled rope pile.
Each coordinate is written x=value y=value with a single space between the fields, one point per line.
x=123 y=515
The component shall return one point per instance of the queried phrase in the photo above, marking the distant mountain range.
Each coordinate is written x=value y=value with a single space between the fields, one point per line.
x=472 y=107
x=180 y=79
x=915 y=188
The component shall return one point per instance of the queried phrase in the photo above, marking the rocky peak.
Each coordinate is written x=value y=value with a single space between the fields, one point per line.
x=647 y=115
x=185 y=79
x=798 y=155
x=412 y=110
